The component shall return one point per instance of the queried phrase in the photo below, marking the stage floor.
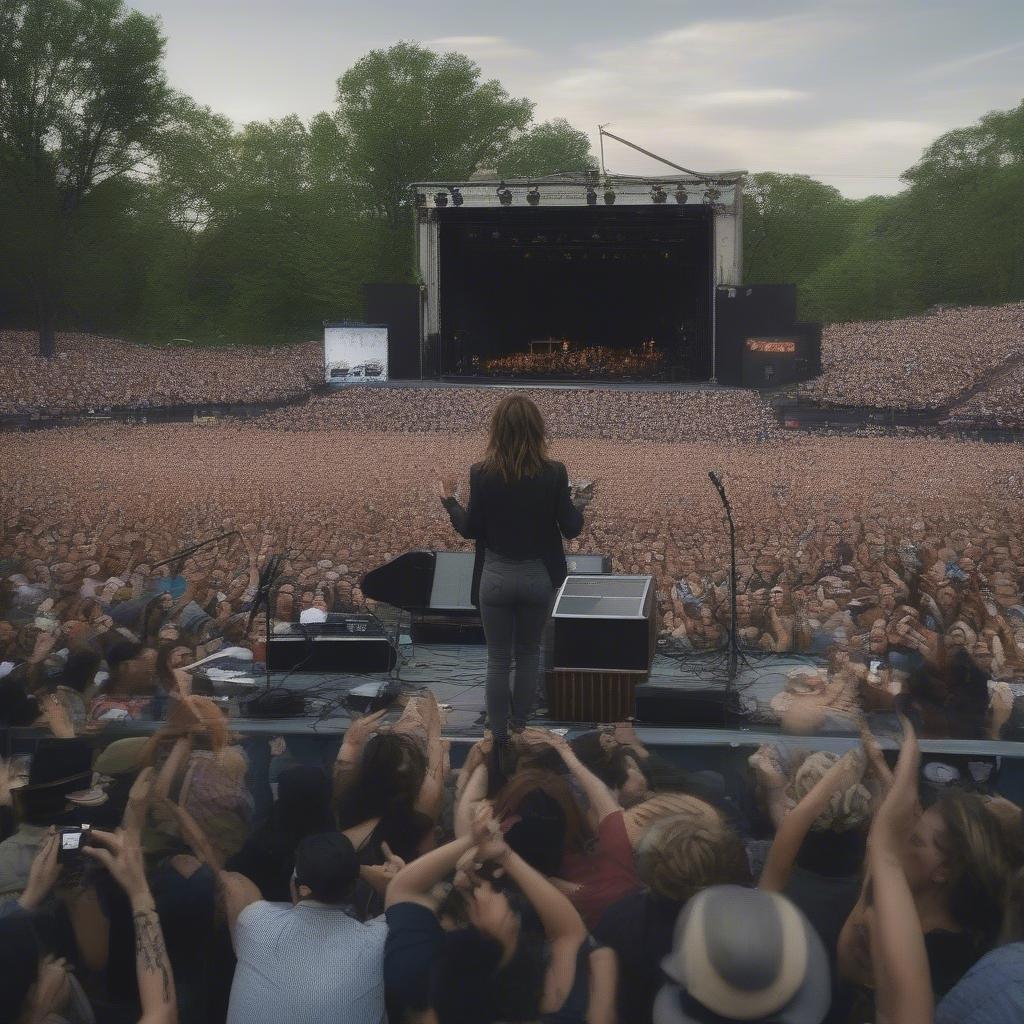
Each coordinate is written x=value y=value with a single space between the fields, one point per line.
x=531 y=383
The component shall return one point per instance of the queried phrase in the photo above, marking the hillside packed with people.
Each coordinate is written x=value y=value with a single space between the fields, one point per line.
x=1001 y=404
x=583 y=412
x=894 y=544
x=916 y=362
x=95 y=374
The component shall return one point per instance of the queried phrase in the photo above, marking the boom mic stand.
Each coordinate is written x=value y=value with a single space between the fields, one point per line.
x=734 y=647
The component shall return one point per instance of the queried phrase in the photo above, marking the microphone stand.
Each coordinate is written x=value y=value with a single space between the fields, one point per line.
x=734 y=647
x=269 y=576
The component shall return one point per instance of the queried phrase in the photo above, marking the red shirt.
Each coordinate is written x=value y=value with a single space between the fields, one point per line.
x=606 y=873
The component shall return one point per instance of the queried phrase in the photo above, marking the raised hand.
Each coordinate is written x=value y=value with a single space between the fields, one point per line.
x=487 y=836
x=121 y=854
x=44 y=872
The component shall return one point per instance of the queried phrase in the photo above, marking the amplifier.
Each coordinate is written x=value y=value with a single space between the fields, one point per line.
x=605 y=622
x=330 y=652
x=586 y=696
x=662 y=704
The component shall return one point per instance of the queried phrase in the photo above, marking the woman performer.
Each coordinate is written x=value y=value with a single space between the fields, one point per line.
x=520 y=507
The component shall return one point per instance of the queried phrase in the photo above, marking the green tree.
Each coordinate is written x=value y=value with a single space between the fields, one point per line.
x=964 y=213
x=546 y=149
x=792 y=225
x=869 y=279
x=82 y=97
x=408 y=114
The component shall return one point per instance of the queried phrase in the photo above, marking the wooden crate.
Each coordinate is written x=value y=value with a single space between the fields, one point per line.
x=592 y=695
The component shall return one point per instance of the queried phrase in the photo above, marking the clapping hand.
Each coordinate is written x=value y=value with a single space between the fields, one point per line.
x=487 y=835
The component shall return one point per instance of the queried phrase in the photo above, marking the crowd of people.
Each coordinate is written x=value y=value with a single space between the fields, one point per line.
x=95 y=374
x=660 y=416
x=917 y=362
x=925 y=362
x=191 y=874
x=1001 y=404
x=892 y=544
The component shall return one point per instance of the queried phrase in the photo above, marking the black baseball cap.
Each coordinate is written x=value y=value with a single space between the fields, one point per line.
x=326 y=863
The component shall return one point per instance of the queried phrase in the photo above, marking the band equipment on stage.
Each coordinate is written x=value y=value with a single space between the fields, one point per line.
x=586 y=695
x=605 y=622
x=344 y=643
x=665 y=704
x=436 y=588
x=605 y=630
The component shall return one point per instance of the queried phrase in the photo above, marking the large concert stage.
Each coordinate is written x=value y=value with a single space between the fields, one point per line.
x=617 y=279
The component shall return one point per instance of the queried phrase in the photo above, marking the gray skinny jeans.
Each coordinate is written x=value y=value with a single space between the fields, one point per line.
x=515 y=603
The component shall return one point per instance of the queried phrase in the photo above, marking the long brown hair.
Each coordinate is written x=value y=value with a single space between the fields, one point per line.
x=517 y=446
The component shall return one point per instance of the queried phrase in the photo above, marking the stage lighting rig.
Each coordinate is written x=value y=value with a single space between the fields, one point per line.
x=658 y=195
x=504 y=195
x=681 y=195
x=609 y=197
x=591 y=196
x=441 y=199
x=712 y=195
x=457 y=199
x=421 y=200
x=533 y=196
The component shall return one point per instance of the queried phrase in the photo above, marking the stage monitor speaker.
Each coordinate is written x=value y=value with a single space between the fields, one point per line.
x=671 y=704
x=404 y=582
x=605 y=622
x=346 y=653
x=588 y=565
x=452 y=587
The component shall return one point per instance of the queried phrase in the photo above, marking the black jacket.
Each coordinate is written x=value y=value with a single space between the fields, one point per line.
x=523 y=520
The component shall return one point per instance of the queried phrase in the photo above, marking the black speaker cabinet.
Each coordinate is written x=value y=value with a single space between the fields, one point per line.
x=605 y=622
x=328 y=653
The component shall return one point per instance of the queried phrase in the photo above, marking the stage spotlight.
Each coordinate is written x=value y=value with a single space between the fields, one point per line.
x=591 y=196
x=457 y=199
x=421 y=200
x=658 y=195
x=681 y=195
x=441 y=199
x=711 y=195
x=504 y=194
x=533 y=196
x=609 y=197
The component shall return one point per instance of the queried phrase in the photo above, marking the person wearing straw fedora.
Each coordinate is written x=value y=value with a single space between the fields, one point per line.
x=743 y=955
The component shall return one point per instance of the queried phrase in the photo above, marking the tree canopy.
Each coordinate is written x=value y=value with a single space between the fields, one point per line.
x=130 y=209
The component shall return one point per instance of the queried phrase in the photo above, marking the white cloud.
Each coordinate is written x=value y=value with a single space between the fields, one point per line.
x=970 y=60
x=482 y=47
x=747 y=97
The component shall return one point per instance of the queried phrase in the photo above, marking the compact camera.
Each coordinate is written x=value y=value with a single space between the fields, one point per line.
x=72 y=839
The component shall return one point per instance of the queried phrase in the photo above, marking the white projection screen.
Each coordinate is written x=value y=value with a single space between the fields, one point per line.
x=355 y=353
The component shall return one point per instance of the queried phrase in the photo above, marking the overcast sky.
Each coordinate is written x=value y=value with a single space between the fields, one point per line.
x=847 y=91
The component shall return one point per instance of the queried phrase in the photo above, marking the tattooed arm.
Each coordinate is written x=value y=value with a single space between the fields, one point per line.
x=121 y=855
